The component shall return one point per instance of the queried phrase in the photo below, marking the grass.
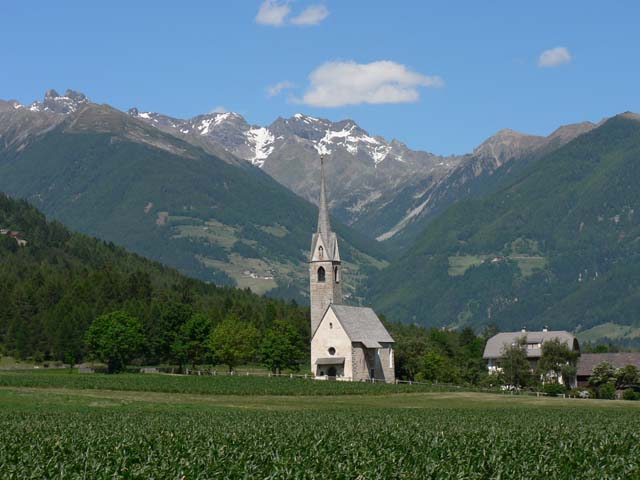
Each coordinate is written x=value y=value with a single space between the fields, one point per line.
x=237 y=267
x=459 y=264
x=212 y=231
x=208 y=385
x=528 y=264
x=276 y=230
x=608 y=330
x=64 y=432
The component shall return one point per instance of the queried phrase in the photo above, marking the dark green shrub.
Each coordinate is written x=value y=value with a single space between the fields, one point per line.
x=554 y=389
x=607 y=391
x=629 y=394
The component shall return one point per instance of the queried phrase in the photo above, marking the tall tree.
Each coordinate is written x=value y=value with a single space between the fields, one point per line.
x=627 y=376
x=115 y=338
x=281 y=347
x=233 y=342
x=603 y=373
x=190 y=345
x=557 y=360
x=516 y=370
x=437 y=368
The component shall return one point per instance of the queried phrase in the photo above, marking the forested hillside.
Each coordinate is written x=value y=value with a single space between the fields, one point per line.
x=558 y=245
x=55 y=286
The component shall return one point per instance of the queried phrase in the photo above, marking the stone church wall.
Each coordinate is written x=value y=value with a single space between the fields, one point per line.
x=322 y=294
x=367 y=359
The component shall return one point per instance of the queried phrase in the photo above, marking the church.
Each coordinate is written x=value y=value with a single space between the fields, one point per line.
x=347 y=343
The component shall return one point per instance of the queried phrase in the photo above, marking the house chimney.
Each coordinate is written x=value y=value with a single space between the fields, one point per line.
x=545 y=329
x=524 y=330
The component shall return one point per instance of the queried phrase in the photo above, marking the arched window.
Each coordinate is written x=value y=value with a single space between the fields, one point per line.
x=321 y=274
x=320 y=252
x=336 y=274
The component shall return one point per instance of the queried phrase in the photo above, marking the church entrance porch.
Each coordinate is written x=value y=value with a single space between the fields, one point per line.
x=330 y=368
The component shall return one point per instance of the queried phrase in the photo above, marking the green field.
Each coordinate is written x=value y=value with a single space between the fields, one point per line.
x=95 y=426
x=204 y=385
x=459 y=264
x=609 y=330
x=528 y=264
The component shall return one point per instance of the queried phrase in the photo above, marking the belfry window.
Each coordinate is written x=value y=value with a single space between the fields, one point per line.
x=320 y=252
x=321 y=274
x=336 y=274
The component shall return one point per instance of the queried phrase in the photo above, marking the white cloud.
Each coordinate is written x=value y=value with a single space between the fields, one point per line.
x=219 y=109
x=312 y=15
x=335 y=84
x=276 y=89
x=554 y=57
x=273 y=13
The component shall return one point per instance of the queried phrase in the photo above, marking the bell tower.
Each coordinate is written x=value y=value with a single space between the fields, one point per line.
x=325 y=267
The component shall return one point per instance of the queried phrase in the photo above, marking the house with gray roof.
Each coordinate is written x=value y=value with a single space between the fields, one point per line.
x=533 y=341
x=347 y=343
x=588 y=361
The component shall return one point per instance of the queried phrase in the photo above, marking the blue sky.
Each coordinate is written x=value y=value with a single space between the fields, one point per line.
x=438 y=76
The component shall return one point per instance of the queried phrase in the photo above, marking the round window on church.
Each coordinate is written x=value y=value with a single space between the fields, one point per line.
x=332 y=351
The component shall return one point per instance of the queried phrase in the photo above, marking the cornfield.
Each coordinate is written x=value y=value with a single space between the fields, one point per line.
x=144 y=441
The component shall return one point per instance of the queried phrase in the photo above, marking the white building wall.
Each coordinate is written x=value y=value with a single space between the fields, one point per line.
x=331 y=334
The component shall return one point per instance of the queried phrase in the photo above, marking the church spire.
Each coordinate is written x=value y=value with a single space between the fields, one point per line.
x=324 y=226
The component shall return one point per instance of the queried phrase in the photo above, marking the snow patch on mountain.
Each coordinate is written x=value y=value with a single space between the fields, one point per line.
x=205 y=126
x=306 y=118
x=261 y=141
x=353 y=139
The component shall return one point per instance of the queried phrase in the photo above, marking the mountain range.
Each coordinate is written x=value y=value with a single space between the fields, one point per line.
x=525 y=229
x=380 y=187
x=212 y=216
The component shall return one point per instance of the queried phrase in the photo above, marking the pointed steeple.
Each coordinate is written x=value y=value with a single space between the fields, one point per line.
x=324 y=226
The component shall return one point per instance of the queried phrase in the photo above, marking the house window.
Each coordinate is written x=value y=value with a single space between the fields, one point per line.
x=321 y=274
x=336 y=274
x=332 y=351
x=320 y=251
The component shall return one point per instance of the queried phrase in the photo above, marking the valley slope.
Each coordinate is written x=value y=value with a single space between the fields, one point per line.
x=557 y=244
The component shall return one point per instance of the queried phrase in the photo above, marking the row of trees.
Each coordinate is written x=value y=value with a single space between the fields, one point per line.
x=437 y=355
x=117 y=338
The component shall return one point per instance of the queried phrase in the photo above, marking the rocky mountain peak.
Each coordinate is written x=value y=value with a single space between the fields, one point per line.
x=630 y=116
x=53 y=102
x=507 y=144
x=567 y=133
x=51 y=94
